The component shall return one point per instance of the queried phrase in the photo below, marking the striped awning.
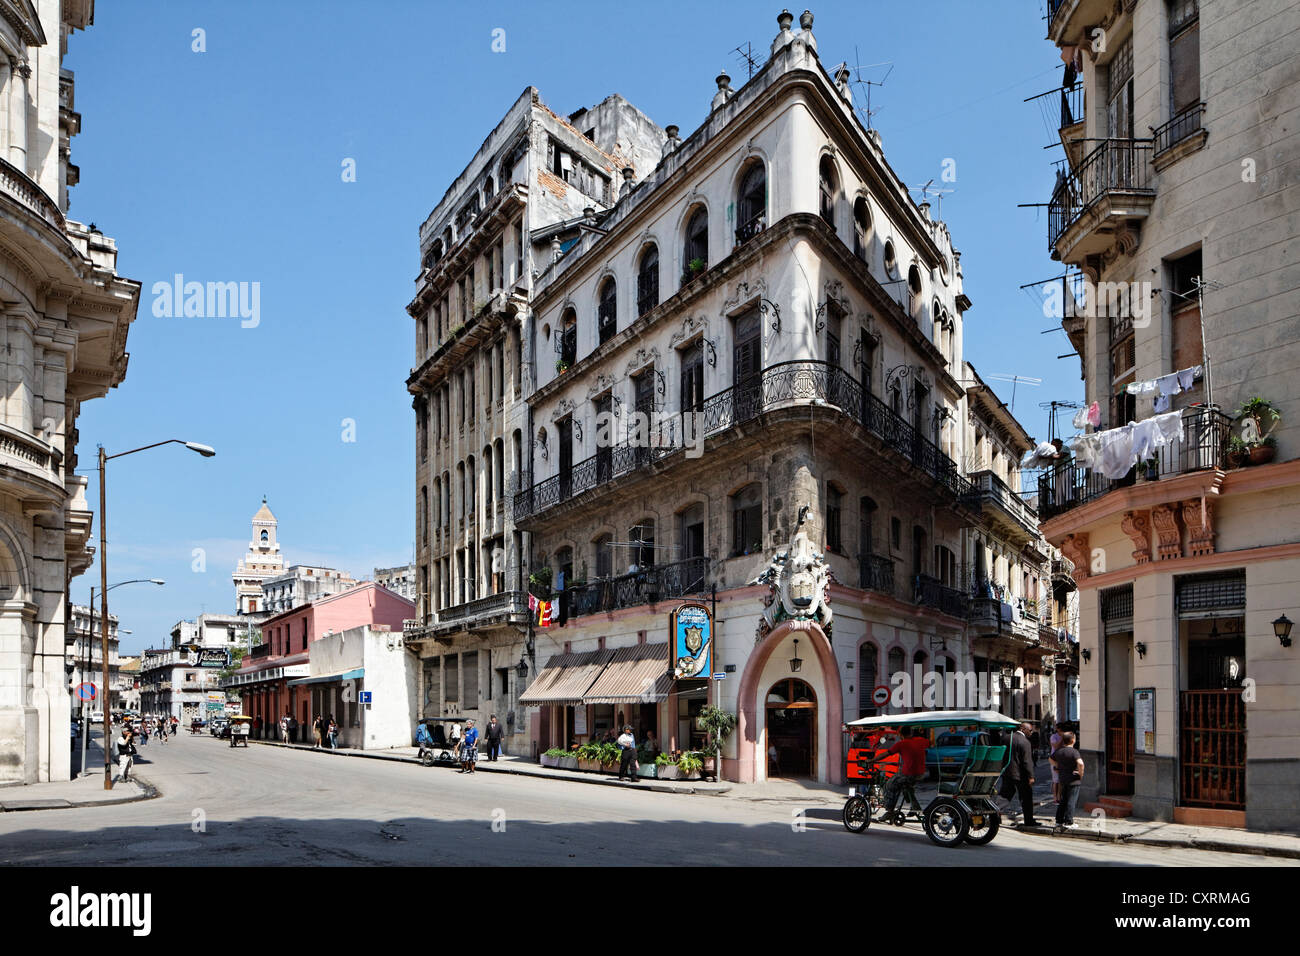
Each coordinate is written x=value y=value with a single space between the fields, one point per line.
x=636 y=674
x=566 y=677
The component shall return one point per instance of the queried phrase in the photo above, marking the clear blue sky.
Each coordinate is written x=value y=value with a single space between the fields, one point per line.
x=225 y=166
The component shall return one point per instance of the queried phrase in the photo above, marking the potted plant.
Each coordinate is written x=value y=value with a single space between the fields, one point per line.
x=541 y=578
x=608 y=757
x=719 y=723
x=569 y=761
x=689 y=766
x=693 y=269
x=666 y=765
x=561 y=366
x=1238 y=452
x=553 y=757
x=1151 y=469
x=1263 y=453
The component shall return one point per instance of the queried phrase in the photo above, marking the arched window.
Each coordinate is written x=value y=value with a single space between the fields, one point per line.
x=488 y=190
x=489 y=486
x=460 y=481
x=695 y=256
x=437 y=501
x=897 y=664
x=604 y=556
x=913 y=290
x=424 y=514
x=471 y=479
x=827 y=188
x=501 y=469
x=891 y=260
x=647 y=280
x=567 y=340
x=752 y=213
x=918 y=550
x=642 y=538
x=446 y=498
x=265 y=537
x=866 y=522
x=861 y=228
x=747 y=520
x=607 y=312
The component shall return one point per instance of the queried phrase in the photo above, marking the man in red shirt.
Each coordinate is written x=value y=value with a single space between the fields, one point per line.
x=911 y=770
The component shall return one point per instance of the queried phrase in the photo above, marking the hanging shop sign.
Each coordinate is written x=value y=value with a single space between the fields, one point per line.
x=1144 y=720
x=690 y=647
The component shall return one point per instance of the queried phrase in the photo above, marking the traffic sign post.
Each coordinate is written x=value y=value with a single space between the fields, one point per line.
x=880 y=696
x=86 y=691
x=364 y=697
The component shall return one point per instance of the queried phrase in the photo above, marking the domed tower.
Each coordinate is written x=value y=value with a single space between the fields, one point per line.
x=262 y=561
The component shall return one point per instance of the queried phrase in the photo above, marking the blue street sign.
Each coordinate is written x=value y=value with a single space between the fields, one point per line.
x=86 y=691
x=720 y=676
x=365 y=697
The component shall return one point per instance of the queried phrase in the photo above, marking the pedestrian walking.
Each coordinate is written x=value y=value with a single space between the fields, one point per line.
x=1018 y=779
x=124 y=750
x=1069 y=767
x=1054 y=743
x=162 y=731
x=333 y=731
x=284 y=728
x=468 y=748
x=144 y=732
x=317 y=731
x=494 y=734
x=293 y=729
x=627 y=760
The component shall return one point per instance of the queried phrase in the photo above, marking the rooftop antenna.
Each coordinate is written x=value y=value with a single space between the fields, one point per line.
x=746 y=54
x=1016 y=380
x=859 y=81
x=938 y=192
x=1051 y=418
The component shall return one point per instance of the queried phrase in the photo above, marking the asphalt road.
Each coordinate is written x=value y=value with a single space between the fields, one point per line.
x=268 y=806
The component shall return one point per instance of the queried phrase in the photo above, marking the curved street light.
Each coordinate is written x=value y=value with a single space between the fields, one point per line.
x=206 y=451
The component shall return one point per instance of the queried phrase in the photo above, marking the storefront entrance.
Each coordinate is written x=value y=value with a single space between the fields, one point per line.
x=791 y=729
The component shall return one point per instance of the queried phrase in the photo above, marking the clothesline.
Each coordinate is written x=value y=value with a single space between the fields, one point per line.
x=1114 y=451
x=1167 y=386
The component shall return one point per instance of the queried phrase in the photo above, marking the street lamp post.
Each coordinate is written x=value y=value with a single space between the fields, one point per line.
x=107 y=698
x=204 y=450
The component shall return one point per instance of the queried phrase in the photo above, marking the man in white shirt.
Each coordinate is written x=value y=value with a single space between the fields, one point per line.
x=627 y=762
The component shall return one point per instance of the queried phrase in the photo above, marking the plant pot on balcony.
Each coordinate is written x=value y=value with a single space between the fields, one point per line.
x=1262 y=454
x=1238 y=458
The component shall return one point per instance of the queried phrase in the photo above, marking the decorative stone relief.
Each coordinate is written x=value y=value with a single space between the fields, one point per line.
x=602 y=384
x=1200 y=525
x=744 y=292
x=690 y=326
x=1165 y=519
x=1075 y=547
x=642 y=357
x=563 y=407
x=1137 y=525
x=799 y=581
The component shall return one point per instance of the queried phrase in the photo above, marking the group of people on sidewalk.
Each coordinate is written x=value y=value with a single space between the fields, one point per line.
x=1067 y=775
x=464 y=746
x=324 y=731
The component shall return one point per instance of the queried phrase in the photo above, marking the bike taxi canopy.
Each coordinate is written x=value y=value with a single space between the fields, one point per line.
x=939 y=718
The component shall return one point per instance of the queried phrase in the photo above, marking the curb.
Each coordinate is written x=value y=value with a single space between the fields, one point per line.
x=518 y=771
x=1215 y=846
x=150 y=793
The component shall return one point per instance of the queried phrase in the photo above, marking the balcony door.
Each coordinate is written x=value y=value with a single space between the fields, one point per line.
x=604 y=448
x=643 y=405
x=747 y=366
x=565 y=429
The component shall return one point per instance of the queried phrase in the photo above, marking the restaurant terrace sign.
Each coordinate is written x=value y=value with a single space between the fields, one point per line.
x=690 y=648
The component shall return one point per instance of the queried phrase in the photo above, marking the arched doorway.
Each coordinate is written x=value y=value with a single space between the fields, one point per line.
x=791 y=729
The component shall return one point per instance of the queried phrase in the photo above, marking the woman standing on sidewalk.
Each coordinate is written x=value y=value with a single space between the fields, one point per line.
x=468 y=748
x=333 y=732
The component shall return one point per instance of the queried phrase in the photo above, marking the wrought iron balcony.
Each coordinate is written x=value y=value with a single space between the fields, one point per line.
x=876 y=573
x=494 y=605
x=1183 y=126
x=929 y=592
x=1000 y=502
x=1072 y=105
x=1202 y=447
x=805 y=382
x=645 y=586
x=752 y=228
x=1115 y=170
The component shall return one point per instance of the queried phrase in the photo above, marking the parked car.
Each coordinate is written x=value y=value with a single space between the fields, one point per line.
x=950 y=750
x=219 y=726
x=76 y=729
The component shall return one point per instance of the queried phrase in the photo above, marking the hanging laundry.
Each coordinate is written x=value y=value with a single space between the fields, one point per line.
x=1094 y=414
x=1161 y=404
x=1087 y=450
x=1117 y=451
x=1141 y=388
x=1080 y=418
x=1168 y=384
x=1170 y=426
x=1188 y=375
x=1146 y=439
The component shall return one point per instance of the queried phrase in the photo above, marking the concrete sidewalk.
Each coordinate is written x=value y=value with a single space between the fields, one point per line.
x=80 y=791
x=522 y=766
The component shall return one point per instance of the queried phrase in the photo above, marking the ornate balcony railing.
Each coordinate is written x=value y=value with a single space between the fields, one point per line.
x=748 y=230
x=1184 y=124
x=645 y=586
x=929 y=592
x=1203 y=446
x=1071 y=105
x=876 y=573
x=506 y=602
x=788 y=383
x=991 y=489
x=17 y=185
x=1115 y=165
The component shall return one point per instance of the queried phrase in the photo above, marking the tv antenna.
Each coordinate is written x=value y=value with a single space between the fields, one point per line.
x=746 y=54
x=856 y=71
x=1015 y=380
x=938 y=192
x=1051 y=418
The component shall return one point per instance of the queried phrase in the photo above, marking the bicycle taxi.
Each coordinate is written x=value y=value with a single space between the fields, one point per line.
x=963 y=811
x=239 y=727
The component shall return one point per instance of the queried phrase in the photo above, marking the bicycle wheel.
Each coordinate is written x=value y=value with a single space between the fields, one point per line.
x=857 y=814
x=426 y=758
x=984 y=827
x=945 y=823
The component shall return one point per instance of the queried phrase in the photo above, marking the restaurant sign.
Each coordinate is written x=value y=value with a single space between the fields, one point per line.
x=213 y=657
x=690 y=649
